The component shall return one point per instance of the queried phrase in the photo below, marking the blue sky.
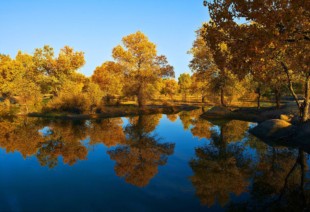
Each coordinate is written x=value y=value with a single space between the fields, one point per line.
x=95 y=27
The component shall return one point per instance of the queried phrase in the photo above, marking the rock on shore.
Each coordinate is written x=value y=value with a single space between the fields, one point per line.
x=274 y=129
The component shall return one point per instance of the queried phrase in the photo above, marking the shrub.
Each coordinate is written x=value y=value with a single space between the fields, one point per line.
x=76 y=98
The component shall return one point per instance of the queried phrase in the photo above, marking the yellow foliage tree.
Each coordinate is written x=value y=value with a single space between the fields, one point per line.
x=109 y=76
x=143 y=67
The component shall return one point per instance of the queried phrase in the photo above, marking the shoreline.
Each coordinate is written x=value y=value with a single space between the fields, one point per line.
x=114 y=112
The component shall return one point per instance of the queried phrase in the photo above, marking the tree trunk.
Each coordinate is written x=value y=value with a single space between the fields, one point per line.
x=277 y=97
x=141 y=100
x=108 y=99
x=302 y=176
x=203 y=97
x=27 y=110
x=259 y=95
x=303 y=107
x=222 y=98
x=306 y=101
x=290 y=86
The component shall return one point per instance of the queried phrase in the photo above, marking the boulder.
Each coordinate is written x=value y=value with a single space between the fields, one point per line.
x=303 y=134
x=274 y=130
x=287 y=118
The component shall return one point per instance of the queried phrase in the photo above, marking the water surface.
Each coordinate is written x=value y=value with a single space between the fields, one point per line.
x=173 y=162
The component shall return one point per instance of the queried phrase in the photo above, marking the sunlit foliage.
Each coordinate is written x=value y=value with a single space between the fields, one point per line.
x=143 y=67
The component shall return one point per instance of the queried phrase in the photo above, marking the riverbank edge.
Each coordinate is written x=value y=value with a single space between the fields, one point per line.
x=297 y=133
x=242 y=114
x=115 y=112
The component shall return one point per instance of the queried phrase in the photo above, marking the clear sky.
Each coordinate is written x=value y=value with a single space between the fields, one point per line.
x=96 y=26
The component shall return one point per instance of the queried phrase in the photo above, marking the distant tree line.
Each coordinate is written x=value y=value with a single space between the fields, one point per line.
x=249 y=50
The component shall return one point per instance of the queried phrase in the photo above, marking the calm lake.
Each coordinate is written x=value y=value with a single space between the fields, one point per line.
x=146 y=163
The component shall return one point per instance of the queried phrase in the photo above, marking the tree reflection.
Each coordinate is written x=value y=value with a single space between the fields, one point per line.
x=143 y=124
x=138 y=159
x=280 y=182
x=201 y=128
x=172 y=117
x=107 y=131
x=63 y=140
x=187 y=117
x=20 y=135
x=221 y=168
x=234 y=130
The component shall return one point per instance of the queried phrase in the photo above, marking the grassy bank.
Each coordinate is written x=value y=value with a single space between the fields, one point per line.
x=251 y=114
x=118 y=111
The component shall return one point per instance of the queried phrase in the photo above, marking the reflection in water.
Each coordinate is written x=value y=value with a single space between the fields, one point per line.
x=188 y=116
x=107 y=131
x=138 y=153
x=220 y=168
x=230 y=168
x=172 y=117
x=275 y=177
x=63 y=139
x=20 y=135
x=138 y=159
x=280 y=182
x=201 y=128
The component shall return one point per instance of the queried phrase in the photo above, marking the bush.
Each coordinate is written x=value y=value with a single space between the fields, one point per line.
x=76 y=98
x=73 y=104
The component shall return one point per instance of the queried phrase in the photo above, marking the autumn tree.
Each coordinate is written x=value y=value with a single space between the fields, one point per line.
x=202 y=65
x=142 y=66
x=211 y=65
x=185 y=83
x=223 y=77
x=19 y=80
x=109 y=76
x=27 y=77
x=93 y=96
x=200 y=85
x=76 y=97
x=281 y=28
x=57 y=70
x=169 y=87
